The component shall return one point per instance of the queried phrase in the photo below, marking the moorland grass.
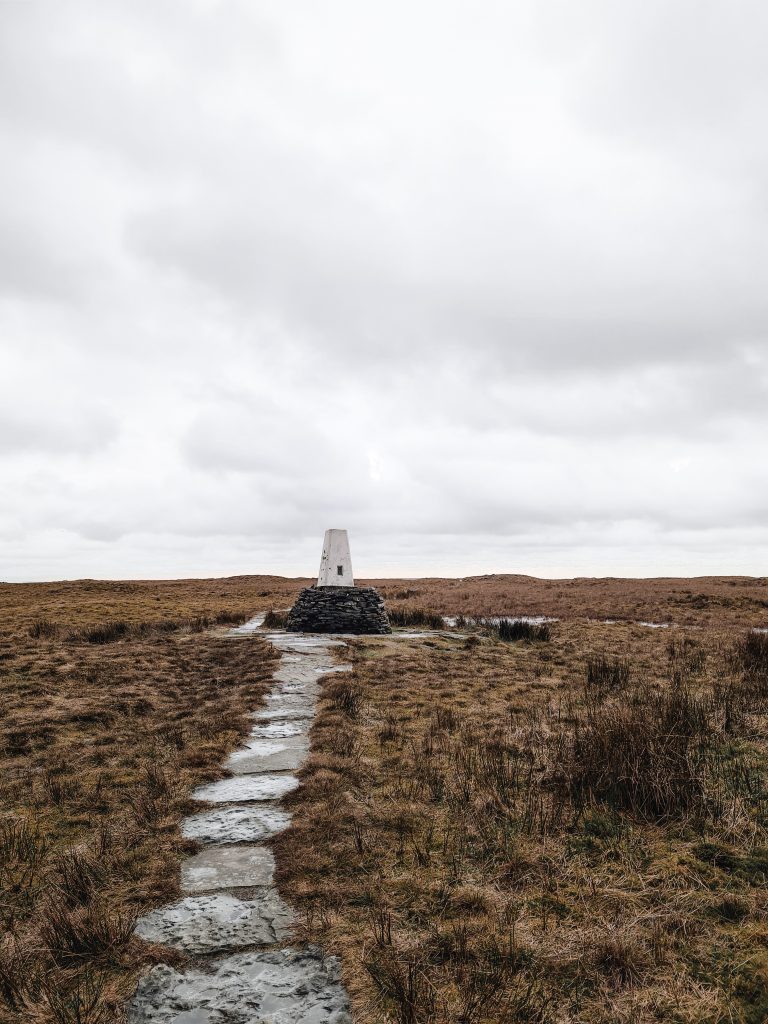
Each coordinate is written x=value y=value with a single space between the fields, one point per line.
x=275 y=619
x=572 y=831
x=456 y=840
x=716 y=602
x=106 y=725
x=409 y=616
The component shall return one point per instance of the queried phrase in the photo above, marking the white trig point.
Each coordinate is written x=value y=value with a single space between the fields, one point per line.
x=336 y=563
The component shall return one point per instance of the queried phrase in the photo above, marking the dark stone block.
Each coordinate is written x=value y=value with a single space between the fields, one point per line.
x=338 y=610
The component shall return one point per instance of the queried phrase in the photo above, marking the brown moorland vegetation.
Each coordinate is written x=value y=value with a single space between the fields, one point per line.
x=571 y=830
x=716 y=601
x=113 y=706
x=562 y=829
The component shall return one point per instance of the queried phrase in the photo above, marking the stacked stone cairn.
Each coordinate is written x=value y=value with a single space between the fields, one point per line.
x=338 y=610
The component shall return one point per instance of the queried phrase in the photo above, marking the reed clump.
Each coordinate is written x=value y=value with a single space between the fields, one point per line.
x=275 y=619
x=415 y=617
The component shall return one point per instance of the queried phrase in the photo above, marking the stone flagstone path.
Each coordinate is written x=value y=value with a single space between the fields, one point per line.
x=231 y=909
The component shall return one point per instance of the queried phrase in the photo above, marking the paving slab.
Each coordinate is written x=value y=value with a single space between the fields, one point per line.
x=265 y=747
x=293 y=687
x=301 y=693
x=268 y=786
x=295 y=683
x=301 y=668
x=236 y=824
x=212 y=924
x=278 y=730
x=261 y=755
x=284 y=986
x=228 y=867
x=291 y=701
x=285 y=713
x=304 y=641
x=271 y=744
x=249 y=763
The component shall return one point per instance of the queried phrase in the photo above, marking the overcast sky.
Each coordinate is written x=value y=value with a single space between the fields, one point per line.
x=484 y=283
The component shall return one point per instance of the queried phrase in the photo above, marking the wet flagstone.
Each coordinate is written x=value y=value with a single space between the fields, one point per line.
x=265 y=786
x=228 y=867
x=283 y=986
x=218 y=922
x=236 y=824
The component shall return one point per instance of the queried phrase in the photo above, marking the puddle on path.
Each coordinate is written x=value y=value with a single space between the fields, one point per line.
x=532 y=620
x=250 y=626
x=289 y=712
x=276 y=986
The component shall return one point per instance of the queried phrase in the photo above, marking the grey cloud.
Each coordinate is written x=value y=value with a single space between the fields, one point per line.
x=487 y=289
x=328 y=263
x=56 y=431
x=28 y=266
x=128 y=79
x=691 y=86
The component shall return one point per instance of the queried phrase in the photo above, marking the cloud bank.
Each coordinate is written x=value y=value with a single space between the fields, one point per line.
x=485 y=286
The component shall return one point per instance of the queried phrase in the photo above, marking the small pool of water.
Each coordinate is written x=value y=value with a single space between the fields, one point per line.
x=250 y=626
x=633 y=622
x=532 y=620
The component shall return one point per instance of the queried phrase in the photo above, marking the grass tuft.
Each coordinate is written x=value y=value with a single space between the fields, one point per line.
x=415 y=617
x=752 y=658
x=607 y=675
x=653 y=753
x=511 y=630
x=44 y=629
x=275 y=619
x=346 y=696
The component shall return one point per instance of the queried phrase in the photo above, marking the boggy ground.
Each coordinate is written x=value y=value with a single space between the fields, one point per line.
x=563 y=831
x=716 y=601
x=113 y=707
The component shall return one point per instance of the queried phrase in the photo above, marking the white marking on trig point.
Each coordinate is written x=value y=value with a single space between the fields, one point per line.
x=336 y=562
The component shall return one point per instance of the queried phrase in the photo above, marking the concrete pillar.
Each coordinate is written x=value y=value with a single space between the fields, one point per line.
x=336 y=563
